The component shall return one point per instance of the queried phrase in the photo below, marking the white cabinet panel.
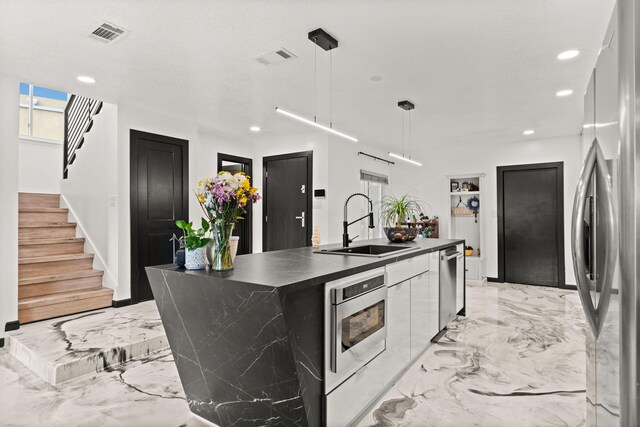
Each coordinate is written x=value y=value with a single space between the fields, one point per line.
x=460 y=280
x=406 y=269
x=419 y=313
x=433 y=295
x=397 y=354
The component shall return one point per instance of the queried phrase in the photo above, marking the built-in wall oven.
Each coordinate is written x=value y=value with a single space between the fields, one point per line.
x=355 y=324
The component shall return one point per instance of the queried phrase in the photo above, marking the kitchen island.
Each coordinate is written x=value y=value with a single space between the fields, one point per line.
x=249 y=344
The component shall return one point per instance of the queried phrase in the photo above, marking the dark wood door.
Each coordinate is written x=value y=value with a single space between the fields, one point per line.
x=531 y=224
x=287 y=203
x=244 y=227
x=159 y=197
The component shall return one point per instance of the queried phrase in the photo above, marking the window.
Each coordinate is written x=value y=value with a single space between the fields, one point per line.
x=42 y=113
x=374 y=186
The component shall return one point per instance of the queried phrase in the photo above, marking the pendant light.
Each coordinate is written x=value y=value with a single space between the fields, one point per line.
x=406 y=106
x=320 y=38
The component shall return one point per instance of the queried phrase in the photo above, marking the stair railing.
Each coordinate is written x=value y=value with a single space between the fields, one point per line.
x=78 y=120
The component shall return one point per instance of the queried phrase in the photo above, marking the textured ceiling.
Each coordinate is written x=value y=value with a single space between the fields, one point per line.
x=478 y=71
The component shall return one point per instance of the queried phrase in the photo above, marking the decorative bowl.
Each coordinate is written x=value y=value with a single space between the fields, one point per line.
x=400 y=234
x=468 y=252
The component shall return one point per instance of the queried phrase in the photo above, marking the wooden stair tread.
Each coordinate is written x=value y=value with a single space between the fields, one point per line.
x=49 y=225
x=54 y=258
x=53 y=241
x=62 y=297
x=57 y=277
x=36 y=209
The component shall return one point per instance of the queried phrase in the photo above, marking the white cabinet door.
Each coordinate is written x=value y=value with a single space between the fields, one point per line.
x=460 y=279
x=419 y=313
x=433 y=295
x=397 y=354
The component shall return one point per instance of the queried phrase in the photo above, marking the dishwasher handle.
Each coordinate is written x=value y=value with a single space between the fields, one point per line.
x=450 y=257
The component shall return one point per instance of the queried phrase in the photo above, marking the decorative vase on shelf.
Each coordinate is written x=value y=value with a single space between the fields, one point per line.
x=222 y=259
x=233 y=243
x=195 y=259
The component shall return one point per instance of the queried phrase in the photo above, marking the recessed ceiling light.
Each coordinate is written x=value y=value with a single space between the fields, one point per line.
x=528 y=132
x=254 y=128
x=565 y=92
x=86 y=79
x=569 y=54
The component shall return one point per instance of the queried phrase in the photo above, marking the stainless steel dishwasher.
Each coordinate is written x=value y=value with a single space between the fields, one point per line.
x=449 y=259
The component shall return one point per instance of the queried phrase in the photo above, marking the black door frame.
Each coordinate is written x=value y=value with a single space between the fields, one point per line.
x=249 y=218
x=559 y=167
x=309 y=190
x=134 y=137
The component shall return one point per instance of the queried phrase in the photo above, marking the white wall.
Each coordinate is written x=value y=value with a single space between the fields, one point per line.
x=39 y=167
x=9 y=100
x=429 y=183
x=92 y=181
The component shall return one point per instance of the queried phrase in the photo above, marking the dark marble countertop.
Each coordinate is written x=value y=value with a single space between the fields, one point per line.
x=294 y=269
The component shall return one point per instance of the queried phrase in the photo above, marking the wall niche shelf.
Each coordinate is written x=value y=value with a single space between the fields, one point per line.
x=466 y=220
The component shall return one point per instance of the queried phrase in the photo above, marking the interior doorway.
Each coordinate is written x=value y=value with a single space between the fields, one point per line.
x=159 y=197
x=243 y=228
x=287 y=203
x=531 y=224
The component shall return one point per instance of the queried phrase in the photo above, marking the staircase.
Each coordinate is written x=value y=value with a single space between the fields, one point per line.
x=55 y=276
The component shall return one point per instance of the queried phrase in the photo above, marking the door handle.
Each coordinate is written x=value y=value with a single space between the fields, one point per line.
x=594 y=163
x=302 y=218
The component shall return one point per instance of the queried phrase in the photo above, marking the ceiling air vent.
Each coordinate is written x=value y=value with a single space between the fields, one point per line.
x=277 y=57
x=107 y=33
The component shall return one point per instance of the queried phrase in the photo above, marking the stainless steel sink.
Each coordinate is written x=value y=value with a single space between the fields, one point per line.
x=377 y=251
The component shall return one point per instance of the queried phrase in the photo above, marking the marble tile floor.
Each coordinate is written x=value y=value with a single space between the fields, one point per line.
x=64 y=348
x=517 y=359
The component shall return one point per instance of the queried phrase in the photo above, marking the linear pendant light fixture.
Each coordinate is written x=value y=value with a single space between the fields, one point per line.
x=324 y=40
x=316 y=124
x=406 y=106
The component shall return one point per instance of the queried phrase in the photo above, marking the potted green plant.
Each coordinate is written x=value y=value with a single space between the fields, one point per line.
x=194 y=242
x=396 y=210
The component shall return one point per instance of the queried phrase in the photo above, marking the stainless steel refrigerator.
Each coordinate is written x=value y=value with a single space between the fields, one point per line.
x=605 y=224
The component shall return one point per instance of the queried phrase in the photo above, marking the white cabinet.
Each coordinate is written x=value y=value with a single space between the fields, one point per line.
x=460 y=280
x=419 y=313
x=433 y=295
x=397 y=353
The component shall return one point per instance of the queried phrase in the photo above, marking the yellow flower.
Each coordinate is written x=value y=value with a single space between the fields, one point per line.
x=246 y=185
x=243 y=200
x=199 y=183
x=201 y=198
x=253 y=190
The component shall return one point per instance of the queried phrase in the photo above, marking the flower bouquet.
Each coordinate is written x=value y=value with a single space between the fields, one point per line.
x=224 y=199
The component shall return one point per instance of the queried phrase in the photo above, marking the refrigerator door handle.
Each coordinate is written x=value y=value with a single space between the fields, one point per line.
x=594 y=163
x=577 y=238
x=609 y=221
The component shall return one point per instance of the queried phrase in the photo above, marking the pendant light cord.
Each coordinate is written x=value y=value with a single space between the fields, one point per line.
x=315 y=79
x=402 y=116
x=331 y=88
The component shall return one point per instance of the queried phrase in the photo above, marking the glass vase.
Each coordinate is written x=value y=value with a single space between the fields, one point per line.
x=222 y=259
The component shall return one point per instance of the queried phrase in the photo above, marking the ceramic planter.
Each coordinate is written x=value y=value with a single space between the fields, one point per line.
x=195 y=259
x=400 y=234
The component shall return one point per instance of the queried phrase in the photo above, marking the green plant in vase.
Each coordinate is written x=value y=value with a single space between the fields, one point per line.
x=224 y=199
x=193 y=241
x=396 y=210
